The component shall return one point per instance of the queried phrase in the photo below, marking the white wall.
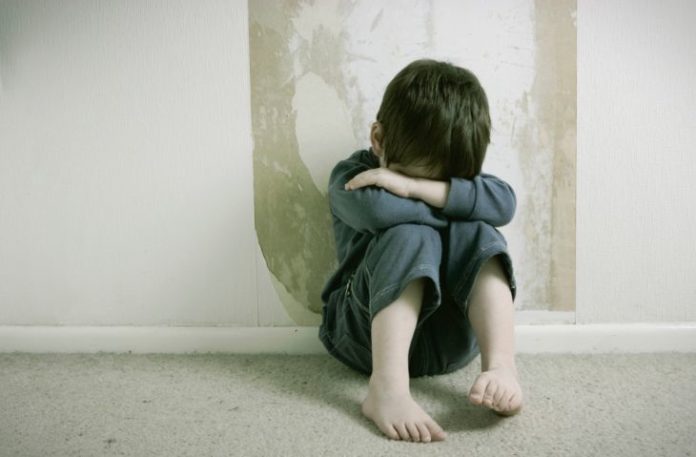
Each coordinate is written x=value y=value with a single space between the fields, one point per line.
x=125 y=163
x=636 y=202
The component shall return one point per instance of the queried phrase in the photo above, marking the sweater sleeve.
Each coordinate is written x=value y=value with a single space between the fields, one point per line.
x=371 y=208
x=484 y=198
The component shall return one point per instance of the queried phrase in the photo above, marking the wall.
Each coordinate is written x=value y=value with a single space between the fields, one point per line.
x=126 y=163
x=318 y=72
x=636 y=166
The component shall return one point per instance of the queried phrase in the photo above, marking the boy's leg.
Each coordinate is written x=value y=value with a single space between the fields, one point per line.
x=393 y=289
x=389 y=403
x=478 y=274
x=491 y=313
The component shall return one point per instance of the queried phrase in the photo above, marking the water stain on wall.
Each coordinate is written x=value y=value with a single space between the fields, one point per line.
x=290 y=45
x=292 y=218
x=552 y=138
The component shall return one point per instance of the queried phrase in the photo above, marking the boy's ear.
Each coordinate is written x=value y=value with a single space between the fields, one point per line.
x=376 y=138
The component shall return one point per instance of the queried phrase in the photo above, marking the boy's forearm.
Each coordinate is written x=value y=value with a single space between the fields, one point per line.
x=372 y=209
x=430 y=191
x=484 y=198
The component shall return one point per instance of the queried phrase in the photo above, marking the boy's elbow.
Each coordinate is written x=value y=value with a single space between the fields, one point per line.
x=372 y=221
x=510 y=207
x=363 y=219
x=509 y=214
x=507 y=211
x=507 y=217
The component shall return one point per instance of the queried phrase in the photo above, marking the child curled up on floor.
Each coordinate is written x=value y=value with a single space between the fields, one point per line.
x=424 y=282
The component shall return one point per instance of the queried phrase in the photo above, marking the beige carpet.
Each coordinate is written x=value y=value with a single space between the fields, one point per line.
x=243 y=405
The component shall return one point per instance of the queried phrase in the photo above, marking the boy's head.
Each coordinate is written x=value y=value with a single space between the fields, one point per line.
x=433 y=117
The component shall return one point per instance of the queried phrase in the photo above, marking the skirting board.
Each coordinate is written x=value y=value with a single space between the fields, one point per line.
x=596 y=338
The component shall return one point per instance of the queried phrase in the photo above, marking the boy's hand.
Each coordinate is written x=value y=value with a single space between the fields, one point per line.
x=395 y=182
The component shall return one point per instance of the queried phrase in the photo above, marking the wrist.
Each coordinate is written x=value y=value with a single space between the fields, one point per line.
x=432 y=192
x=413 y=188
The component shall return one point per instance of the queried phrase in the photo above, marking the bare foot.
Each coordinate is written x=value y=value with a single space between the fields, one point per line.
x=398 y=416
x=499 y=390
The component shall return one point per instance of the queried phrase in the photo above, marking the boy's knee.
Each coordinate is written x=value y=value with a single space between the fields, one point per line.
x=471 y=226
x=472 y=244
x=474 y=234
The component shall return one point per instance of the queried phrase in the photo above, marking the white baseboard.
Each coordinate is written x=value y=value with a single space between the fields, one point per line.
x=534 y=317
x=606 y=338
x=596 y=338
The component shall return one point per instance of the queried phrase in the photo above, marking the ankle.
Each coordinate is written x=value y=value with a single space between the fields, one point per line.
x=498 y=361
x=390 y=381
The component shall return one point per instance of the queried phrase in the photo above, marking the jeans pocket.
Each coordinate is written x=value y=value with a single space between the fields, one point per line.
x=358 y=291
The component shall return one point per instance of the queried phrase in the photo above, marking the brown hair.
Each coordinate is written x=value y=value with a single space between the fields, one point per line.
x=435 y=114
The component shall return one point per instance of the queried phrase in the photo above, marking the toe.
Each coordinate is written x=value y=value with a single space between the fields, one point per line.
x=500 y=397
x=488 y=396
x=424 y=432
x=504 y=403
x=513 y=406
x=478 y=389
x=391 y=432
x=436 y=432
x=413 y=431
x=403 y=432
x=516 y=402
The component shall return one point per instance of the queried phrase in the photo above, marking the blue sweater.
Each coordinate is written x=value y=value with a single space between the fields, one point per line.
x=361 y=213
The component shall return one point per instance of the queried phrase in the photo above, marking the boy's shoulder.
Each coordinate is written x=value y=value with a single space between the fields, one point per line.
x=362 y=158
x=358 y=161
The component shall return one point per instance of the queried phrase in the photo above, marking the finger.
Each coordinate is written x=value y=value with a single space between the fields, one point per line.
x=366 y=178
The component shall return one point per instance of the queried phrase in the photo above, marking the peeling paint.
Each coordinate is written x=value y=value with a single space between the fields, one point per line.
x=555 y=88
x=319 y=70
x=316 y=132
x=292 y=217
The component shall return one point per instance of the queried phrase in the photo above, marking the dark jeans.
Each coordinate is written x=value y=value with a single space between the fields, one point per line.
x=450 y=258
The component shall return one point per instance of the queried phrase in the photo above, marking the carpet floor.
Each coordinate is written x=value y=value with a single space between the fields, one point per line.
x=279 y=405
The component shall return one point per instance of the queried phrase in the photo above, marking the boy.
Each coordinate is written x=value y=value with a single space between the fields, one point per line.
x=424 y=281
